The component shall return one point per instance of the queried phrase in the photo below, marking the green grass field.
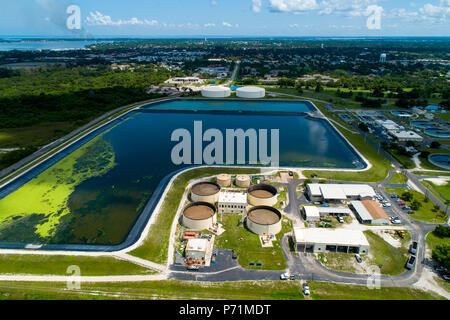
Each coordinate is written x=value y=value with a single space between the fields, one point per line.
x=433 y=240
x=57 y=265
x=248 y=245
x=425 y=213
x=177 y=290
x=155 y=246
x=398 y=178
x=443 y=190
x=393 y=259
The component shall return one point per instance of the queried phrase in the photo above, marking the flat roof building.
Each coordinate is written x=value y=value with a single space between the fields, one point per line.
x=312 y=213
x=369 y=212
x=196 y=249
x=339 y=192
x=316 y=240
x=232 y=202
x=406 y=136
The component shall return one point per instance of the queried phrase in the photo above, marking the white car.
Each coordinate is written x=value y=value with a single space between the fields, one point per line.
x=396 y=221
x=284 y=276
x=387 y=205
x=306 y=289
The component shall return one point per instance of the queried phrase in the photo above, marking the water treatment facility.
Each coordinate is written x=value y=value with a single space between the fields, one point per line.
x=125 y=170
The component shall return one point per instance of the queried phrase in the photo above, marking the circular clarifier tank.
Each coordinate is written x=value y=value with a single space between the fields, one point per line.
x=205 y=192
x=264 y=220
x=262 y=195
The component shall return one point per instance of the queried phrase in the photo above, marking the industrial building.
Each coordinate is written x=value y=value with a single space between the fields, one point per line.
x=313 y=214
x=224 y=180
x=403 y=136
x=262 y=195
x=369 y=212
x=199 y=216
x=196 y=249
x=339 y=192
x=216 y=92
x=251 y=92
x=205 y=192
x=243 y=181
x=232 y=202
x=317 y=240
x=264 y=220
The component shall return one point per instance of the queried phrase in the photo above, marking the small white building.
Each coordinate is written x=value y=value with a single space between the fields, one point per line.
x=317 y=240
x=313 y=213
x=232 y=202
x=196 y=249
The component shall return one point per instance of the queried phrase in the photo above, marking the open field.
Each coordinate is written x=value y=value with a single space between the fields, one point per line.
x=57 y=265
x=155 y=246
x=251 y=290
x=392 y=259
x=425 y=212
x=334 y=291
x=398 y=178
x=248 y=245
x=433 y=241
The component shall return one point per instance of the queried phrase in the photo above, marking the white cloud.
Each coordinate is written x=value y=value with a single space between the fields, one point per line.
x=427 y=13
x=257 y=4
x=226 y=24
x=214 y=3
x=98 y=19
x=293 y=5
x=209 y=25
x=346 y=7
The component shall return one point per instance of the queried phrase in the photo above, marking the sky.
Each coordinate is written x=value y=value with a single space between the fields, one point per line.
x=160 y=18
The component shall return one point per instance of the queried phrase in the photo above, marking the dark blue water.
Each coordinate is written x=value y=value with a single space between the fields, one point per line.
x=441 y=159
x=104 y=209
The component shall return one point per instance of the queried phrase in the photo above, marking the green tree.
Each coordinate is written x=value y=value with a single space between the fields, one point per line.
x=441 y=254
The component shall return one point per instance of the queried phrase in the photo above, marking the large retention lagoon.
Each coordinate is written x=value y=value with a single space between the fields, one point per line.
x=99 y=193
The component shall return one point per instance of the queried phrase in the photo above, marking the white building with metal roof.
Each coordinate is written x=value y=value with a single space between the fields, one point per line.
x=313 y=213
x=339 y=192
x=317 y=240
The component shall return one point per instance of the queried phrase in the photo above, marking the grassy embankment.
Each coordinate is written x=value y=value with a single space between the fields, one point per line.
x=398 y=178
x=380 y=165
x=57 y=265
x=48 y=194
x=249 y=290
x=155 y=246
x=426 y=212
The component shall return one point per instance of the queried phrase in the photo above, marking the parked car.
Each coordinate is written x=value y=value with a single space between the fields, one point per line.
x=306 y=289
x=401 y=203
x=411 y=212
x=284 y=276
x=340 y=219
x=358 y=258
x=406 y=208
x=292 y=277
x=396 y=220
x=439 y=268
x=387 y=205
x=413 y=247
x=394 y=196
x=193 y=268
x=411 y=262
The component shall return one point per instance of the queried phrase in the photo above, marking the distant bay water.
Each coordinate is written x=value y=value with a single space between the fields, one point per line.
x=56 y=45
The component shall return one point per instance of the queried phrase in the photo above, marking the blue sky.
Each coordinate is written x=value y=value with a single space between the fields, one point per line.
x=153 y=18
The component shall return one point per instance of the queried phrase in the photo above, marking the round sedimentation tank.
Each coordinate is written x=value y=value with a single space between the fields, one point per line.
x=199 y=216
x=224 y=180
x=243 y=181
x=264 y=220
x=262 y=195
x=205 y=192
x=251 y=92
x=216 y=92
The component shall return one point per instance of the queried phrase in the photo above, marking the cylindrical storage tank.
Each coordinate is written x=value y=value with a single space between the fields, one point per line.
x=199 y=216
x=216 y=92
x=224 y=180
x=264 y=220
x=243 y=181
x=205 y=192
x=251 y=92
x=262 y=195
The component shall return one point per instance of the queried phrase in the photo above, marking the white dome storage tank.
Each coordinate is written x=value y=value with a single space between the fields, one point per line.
x=216 y=92
x=251 y=92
